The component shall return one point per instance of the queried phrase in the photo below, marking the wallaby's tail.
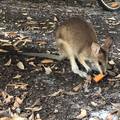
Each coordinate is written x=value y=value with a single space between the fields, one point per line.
x=43 y=55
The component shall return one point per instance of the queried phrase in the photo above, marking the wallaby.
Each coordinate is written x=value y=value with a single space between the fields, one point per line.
x=76 y=38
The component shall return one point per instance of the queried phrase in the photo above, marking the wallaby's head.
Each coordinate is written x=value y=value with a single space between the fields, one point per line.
x=100 y=54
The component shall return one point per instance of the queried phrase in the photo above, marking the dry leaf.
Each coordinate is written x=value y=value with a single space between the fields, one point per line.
x=5 y=118
x=22 y=86
x=34 y=109
x=94 y=104
x=17 y=102
x=69 y=93
x=47 y=70
x=38 y=117
x=51 y=23
x=12 y=34
x=32 y=63
x=8 y=63
x=30 y=59
x=77 y=88
x=7 y=98
x=82 y=114
x=17 y=76
x=116 y=105
x=25 y=14
x=29 y=18
x=20 y=65
x=6 y=41
x=111 y=62
x=6 y=44
x=41 y=42
x=55 y=19
x=3 y=51
x=56 y=93
x=44 y=27
x=118 y=76
x=47 y=61
x=32 y=117
x=17 y=117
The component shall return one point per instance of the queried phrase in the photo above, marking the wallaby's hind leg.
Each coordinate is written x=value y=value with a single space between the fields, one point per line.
x=66 y=49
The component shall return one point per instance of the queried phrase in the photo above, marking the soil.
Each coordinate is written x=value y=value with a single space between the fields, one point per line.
x=37 y=21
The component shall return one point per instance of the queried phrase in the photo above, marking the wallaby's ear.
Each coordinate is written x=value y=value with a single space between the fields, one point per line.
x=107 y=44
x=95 y=48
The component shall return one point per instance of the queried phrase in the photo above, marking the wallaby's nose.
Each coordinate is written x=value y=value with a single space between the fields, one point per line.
x=96 y=72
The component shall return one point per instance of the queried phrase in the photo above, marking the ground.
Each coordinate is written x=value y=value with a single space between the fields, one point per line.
x=47 y=88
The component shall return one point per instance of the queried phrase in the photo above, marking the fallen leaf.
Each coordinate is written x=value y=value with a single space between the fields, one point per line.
x=47 y=61
x=77 y=88
x=17 y=103
x=20 y=65
x=50 y=23
x=111 y=62
x=38 y=117
x=25 y=14
x=111 y=18
x=41 y=42
x=34 y=109
x=82 y=114
x=32 y=63
x=17 y=76
x=11 y=34
x=118 y=76
x=47 y=70
x=17 y=117
x=22 y=86
x=6 y=41
x=5 y=118
x=116 y=105
x=29 y=18
x=30 y=59
x=32 y=117
x=94 y=104
x=8 y=63
x=3 y=51
x=69 y=93
x=55 y=19
x=7 y=98
x=57 y=93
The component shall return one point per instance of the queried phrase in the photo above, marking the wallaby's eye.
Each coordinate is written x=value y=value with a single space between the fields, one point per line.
x=100 y=63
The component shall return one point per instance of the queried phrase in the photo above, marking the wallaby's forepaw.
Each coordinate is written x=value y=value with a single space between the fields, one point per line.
x=80 y=73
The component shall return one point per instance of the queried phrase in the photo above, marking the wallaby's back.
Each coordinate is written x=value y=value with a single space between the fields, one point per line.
x=77 y=33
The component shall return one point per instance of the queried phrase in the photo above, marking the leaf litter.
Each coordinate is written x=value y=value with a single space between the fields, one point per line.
x=19 y=41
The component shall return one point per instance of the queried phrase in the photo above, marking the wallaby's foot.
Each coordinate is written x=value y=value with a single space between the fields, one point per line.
x=80 y=73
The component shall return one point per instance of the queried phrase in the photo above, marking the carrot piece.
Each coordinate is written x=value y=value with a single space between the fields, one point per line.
x=98 y=77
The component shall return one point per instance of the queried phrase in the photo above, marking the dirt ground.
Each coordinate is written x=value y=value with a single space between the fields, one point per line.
x=46 y=89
